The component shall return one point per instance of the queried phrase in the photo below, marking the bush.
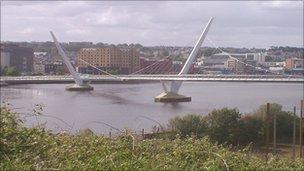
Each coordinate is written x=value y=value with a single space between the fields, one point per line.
x=228 y=126
x=189 y=125
x=9 y=71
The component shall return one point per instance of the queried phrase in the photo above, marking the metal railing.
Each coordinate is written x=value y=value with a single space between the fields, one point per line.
x=247 y=78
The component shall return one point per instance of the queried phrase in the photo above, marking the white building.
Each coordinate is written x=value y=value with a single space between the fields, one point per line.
x=273 y=64
x=259 y=57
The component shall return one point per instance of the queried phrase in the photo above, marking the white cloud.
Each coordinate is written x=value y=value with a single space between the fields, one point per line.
x=76 y=31
x=25 y=32
x=283 y=4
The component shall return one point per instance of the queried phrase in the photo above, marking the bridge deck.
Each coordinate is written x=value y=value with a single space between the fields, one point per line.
x=104 y=78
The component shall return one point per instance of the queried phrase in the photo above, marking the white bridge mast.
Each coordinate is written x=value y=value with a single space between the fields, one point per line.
x=81 y=83
x=172 y=96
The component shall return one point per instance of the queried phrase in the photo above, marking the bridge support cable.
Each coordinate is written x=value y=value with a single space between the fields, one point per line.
x=246 y=64
x=140 y=71
x=176 y=84
x=99 y=69
x=81 y=83
x=172 y=95
x=66 y=61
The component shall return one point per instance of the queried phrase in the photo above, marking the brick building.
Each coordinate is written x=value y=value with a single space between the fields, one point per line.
x=291 y=63
x=122 y=61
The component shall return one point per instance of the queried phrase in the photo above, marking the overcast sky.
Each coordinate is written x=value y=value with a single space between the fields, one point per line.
x=236 y=24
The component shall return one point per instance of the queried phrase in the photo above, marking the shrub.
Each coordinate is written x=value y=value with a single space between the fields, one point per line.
x=228 y=126
x=224 y=125
x=189 y=125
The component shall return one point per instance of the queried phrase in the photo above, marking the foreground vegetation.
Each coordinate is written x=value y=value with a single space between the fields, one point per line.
x=229 y=126
x=36 y=148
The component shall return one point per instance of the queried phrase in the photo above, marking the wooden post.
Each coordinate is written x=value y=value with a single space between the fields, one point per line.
x=143 y=133
x=274 y=132
x=301 y=129
x=267 y=127
x=294 y=134
x=110 y=134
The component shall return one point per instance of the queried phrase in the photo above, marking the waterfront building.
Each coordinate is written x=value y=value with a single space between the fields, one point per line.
x=292 y=63
x=57 y=68
x=21 y=58
x=259 y=57
x=39 y=69
x=5 y=59
x=243 y=66
x=112 y=59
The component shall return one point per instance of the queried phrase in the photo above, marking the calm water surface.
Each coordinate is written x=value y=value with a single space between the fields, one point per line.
x=128 y=105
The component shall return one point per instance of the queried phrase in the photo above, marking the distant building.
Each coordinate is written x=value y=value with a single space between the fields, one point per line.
x=238 y=63
x=177 y=66
x=57 y=68
x=278 y=70
x=273 y=64
x=39 y=68
x=230 y=64
x=123 y=61
x=294 y=63
x=241 y=66
x=5 y=59
x=259 y=57
x=82 y=44
x=21 y=58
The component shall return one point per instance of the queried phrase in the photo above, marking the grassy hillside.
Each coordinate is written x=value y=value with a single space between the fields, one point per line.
x=36 y=148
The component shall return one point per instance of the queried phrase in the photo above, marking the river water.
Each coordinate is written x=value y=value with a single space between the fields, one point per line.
x=132 y=105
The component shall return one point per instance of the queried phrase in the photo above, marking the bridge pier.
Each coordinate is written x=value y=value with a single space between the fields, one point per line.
x=76 y=87
x=170 y=97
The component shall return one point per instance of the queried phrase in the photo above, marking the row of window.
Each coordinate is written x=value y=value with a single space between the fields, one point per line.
x=105 y=65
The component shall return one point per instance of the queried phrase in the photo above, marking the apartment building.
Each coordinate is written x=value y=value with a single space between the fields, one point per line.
x=111 y=59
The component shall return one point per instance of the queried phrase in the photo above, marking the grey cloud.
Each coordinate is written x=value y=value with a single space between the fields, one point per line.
x=155 y=22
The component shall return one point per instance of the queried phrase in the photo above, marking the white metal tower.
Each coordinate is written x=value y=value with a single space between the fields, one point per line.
x=172 y=94
x=81 y=83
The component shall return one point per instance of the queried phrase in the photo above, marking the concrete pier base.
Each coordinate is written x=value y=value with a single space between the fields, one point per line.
x=76 y=87
x=169 y=97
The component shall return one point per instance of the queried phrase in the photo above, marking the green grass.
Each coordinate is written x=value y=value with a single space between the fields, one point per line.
x=36 y=148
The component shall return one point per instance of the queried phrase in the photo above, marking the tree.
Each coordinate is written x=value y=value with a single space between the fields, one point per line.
x=10 y=71
x=251 y=130
x=284 y=120
x=164 y=53
x=224 y=125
